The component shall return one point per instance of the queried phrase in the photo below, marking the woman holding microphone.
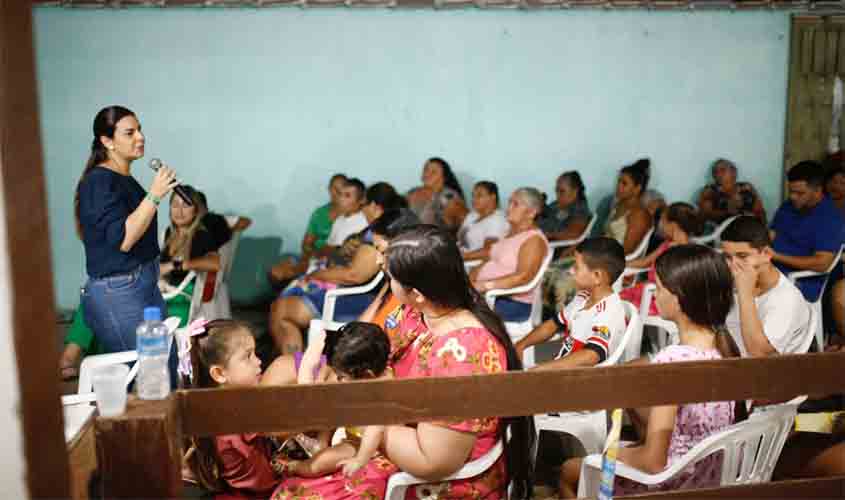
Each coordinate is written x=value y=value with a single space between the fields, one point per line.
x=116 y=219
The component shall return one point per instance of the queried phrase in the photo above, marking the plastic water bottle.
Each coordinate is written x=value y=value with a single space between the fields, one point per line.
x=153 y=342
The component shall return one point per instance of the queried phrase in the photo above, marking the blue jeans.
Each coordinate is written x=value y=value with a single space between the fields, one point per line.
x=114 y=307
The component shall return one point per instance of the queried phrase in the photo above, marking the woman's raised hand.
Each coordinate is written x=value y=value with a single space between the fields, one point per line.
x=163 y=182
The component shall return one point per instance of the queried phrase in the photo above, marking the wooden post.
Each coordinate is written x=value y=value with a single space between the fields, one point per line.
x=139 y=452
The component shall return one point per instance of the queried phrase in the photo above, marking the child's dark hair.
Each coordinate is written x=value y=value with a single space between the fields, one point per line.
x=358 y=349
x=701 y=280
x=605 y=254
x=215 y=346
x=747 y=229
x=639 y=172
x=808 y=171
x=686 y=217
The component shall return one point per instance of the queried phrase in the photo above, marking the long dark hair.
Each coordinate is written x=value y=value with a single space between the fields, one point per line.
x=427 y=259
x=104 y=125
x=574 y=179
x=212 y=347
x=449 y=179
x=686 y=217
x=702 y=281
x=639 y=172
x=385 y=196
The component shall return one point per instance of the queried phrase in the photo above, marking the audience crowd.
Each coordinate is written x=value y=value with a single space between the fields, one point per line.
x=430 y=258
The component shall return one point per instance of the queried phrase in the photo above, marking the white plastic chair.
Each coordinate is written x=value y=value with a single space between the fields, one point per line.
x=590 y=427
x=519 y=329
x=399 y=483
x=85 y=386
x=817 y=304
x=750 y=453
x=642 y=246
x=328 y=320
x=714 y=238
x=583 y=236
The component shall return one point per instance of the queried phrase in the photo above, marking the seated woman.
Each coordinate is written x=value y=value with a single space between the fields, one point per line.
x=628 y=223
x=567 y=217
x=188 y=246
x=726 y=197
x=668 y=432
x=385 y=310
x=486 y=223
x=516 y=259
x=427 y=274
x=677 y=224
x=440 y=200
x=303 y=299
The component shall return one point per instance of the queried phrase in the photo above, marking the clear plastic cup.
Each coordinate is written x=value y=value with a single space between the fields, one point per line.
x=110 y=389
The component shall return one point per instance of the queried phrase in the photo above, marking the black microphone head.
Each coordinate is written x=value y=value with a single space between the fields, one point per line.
x=155 y=164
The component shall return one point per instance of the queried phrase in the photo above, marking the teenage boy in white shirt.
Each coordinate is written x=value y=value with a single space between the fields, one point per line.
x=770 y=315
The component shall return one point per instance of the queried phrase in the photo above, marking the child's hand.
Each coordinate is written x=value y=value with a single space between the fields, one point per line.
x=351 y=465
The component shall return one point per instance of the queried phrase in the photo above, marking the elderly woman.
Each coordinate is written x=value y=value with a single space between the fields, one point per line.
x=356 y=263
x=567 y=217
x=486 y=223
x=427 y=275
x=440 y=200
x=515 y=259
x=726 y=197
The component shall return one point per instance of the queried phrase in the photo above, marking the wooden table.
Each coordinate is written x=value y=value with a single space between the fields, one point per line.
x=82 y=451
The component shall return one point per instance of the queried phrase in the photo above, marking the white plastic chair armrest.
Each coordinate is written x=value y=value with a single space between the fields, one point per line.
x=797 y=275
x=470 y=469
x=89 y=363
x=231 y=220
x=554 y=245
x=633 y=271
x=173 y=292
x=332 y=295
x=469 y=264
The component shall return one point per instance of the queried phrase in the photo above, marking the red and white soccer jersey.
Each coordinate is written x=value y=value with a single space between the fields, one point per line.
x=599 y=328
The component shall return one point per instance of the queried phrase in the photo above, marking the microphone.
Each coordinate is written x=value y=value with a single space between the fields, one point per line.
x=156 y=164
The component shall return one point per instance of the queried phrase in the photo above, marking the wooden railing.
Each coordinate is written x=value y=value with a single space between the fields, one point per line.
x=138 y=452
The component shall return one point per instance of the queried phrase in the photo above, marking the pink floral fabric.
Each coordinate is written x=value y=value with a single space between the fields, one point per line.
x=468 y=351
x=693 y=423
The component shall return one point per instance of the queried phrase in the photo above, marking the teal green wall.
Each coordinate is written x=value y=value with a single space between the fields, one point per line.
x=258 y=107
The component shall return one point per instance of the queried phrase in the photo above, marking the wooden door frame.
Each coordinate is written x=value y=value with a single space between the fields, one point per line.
x=33 y=313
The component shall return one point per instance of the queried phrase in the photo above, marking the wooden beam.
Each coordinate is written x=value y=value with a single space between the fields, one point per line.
x=806 y=488
x=28 y=251
x=323 y=406
x=140 y=452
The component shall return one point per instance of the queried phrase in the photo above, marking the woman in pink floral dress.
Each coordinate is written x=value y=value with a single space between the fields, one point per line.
x=460 y=336
x=669 y=432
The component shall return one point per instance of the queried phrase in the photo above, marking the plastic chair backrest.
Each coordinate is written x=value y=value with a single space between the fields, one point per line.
x=715 y=237
x=629 y=345
x=583 y=236
x=761 y=438
x=642 y=246
x=332 y=295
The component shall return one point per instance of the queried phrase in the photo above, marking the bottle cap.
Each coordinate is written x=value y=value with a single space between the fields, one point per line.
x=152 y=314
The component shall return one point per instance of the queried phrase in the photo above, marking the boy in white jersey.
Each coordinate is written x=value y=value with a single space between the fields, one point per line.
x=593 y=323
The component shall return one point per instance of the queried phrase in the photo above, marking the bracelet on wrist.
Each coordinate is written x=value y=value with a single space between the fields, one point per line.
x=153 y=198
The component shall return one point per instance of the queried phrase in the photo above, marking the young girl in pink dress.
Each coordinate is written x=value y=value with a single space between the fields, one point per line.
x=462 y=337
x=234 y=466
x=668 y=432
x=678 y=223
